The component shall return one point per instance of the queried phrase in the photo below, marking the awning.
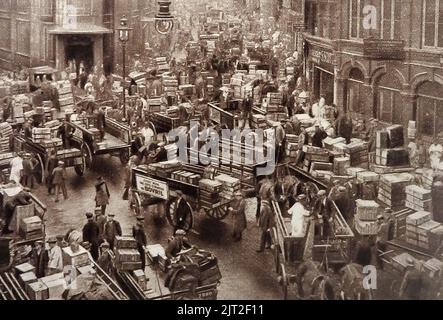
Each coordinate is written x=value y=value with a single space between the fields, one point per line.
x=79 y=29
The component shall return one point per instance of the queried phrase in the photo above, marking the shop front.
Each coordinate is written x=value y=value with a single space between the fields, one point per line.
x=321 y=65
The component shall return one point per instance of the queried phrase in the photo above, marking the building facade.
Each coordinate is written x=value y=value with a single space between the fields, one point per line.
x=52 y=32
x=379 y=59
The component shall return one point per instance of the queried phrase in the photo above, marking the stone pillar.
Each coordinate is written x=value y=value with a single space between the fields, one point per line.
x=98 y=49
x=339 y=92
x=59 y=52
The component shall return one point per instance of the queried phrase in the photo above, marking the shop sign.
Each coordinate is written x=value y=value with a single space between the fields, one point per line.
x=321 y=56
x=152 y=187
x=380 y=49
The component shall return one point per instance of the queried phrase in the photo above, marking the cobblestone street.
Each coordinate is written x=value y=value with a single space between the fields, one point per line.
x=246 y=274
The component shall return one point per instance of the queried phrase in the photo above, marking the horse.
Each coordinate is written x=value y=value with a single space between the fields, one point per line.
x=352 y=287
x=313 y=284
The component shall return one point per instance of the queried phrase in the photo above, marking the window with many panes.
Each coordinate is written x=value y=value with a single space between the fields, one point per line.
x=433 y=23
x=389 y=99
x=430 y=109
x=390 y=19
x=355 y=18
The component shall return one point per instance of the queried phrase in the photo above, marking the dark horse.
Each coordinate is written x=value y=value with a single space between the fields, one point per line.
x=314 y=284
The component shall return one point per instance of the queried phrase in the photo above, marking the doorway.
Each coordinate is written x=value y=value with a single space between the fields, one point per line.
x=81 y=51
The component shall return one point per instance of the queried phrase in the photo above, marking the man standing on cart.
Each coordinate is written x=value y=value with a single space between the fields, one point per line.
x=182 y=211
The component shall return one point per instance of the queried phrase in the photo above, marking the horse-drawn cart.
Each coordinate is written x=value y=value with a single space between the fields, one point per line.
x=116 y=141
x=73 y=158
x=157 y=186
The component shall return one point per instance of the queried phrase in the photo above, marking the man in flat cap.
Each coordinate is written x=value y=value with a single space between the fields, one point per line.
x=91 y=234
x=177 y=243
x=413 y=282
x=55 y=264
x=324 y=211
x=112 y=229
x=40 y=259
x=182 y=211
x=59 y=181
x=106 y=260
x=138 y=232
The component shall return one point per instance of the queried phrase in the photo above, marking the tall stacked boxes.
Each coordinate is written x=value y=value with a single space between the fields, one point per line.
x=366 y=217
x=392 y=189
x=127 y=257
x=259 y=120
x=357 y=151
x=230 y=185
x=330 y=142
x=170 y=85
x=54 y=125
x=162 y=64
x=435 y=238
x=66 y=97
x=31 y=228
x=418 y=228
x=5 y=135
x=210 y=193
x=76 y=259
x=236 y=84
x=341 y=165
x=418 y=198
x=314 y=154
x=39 y=135
x=390 y=149
x=427 y=178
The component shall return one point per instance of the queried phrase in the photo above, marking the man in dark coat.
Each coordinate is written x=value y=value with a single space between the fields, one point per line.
x=112 y=229
x=266 y=223
x=102 y=194
x=40 y=258
x=52 y=164
x=59 y=180
x=363 y=252
x=101 y=122
x=182 y=212
x=177 y=244
x=290 y=104
x=324 y=212
x=319 y=135
x=247 y=105
x=238 y=211
x=344 y=127
x=413 y=282
x=91 y=234
x=65 y=132
x=106 y=260
x=139 y=235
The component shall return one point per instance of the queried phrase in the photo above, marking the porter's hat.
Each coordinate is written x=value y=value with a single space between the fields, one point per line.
x=111 y=214
x=321 y=193
x=89 y=215
x=180 y=232
x=380 y=217
x=105 y=245
x=301 y=197
x=52 y=240
x=40 y=242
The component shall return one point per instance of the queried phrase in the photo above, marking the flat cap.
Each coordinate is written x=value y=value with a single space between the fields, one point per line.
x=89 y=215
x=180 y=232
x=52 y=240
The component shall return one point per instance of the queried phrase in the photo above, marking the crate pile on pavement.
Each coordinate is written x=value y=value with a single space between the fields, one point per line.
x=423 y=232
x=259 y=121
x=366 y=217
x=170 y=85
x=357 y=151
x=418 y=198
x=273 y=107
x=127 y=257
x=237 y=81
x=66 y=96
x=162 y=65
x=390 y=151
x=5 y=136
x=230 y=186
x=392 y=189
x=210 y=193
x=292 y=147
x=39 y=135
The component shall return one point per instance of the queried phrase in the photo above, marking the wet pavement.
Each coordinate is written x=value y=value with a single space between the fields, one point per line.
x=246 y=274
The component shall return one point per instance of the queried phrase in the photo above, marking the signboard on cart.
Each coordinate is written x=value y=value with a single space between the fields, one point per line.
x=152 y=187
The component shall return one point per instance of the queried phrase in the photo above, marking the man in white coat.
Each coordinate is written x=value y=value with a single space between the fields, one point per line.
x=299 y=215
x=16 y=168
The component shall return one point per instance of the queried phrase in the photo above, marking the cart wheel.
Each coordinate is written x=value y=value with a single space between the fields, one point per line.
x=219 y=213
x=87 y=154
x=124 y=156
x=171 y=215
x=40 y=170
x=284 y=281
x=136 y=204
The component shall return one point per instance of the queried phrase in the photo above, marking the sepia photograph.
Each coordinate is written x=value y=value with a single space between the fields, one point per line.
x=221 y=150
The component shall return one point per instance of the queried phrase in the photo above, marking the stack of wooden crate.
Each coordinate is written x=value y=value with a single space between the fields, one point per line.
x=66 y=96
x=127 y=257
x=366 y=217
x=392 y=189
x=210 y=193
x=31 y=228
x=170 y=85
x=418 y=227
x=418 y=198
x=230 y=185
x=39 y=135
x=390 y=151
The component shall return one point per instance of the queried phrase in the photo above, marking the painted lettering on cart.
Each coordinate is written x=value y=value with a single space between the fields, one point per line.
x=242 y=147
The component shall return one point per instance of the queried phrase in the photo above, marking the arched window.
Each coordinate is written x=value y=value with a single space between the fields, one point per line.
x=430 y=109
x=354 y=91
x=389 y=99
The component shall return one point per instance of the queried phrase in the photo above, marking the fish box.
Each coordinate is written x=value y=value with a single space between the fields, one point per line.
x=127 y=255
x=367 y=210
x=24 y=268
x=37 y=291
x=56 y=288
x=368 y=176
x=128 y=266
x=31 y=224
x=26 y=278
x=427 y=227
x=396 y=136
x=419 y=218
x=125 y=243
